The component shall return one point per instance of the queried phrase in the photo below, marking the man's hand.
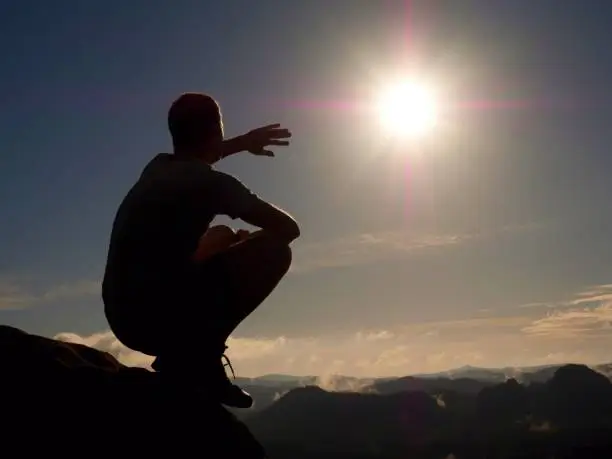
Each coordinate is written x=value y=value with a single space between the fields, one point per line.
x=257 y=140
x=243 y=234
x=216 y=239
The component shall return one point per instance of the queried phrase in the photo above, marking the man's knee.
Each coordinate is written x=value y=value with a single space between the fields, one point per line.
x=282 y=255
x=264 y=251
x=276 y=253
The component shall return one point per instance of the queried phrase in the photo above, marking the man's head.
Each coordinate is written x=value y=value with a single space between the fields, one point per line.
x=195 y=124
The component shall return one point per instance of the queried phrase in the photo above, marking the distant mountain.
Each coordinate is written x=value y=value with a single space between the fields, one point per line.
x=269 y=388
x=430 y=385
x=279 y=380
x=605 y=369
x=491 y=375
x=528 y=374
x=266 y=389
x=570 y=410
x=286 y=378
x=346 y=422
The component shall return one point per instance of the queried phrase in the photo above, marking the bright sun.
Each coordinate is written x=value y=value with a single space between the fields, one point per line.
x=407 y=109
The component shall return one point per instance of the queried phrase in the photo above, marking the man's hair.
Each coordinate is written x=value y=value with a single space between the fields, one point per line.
x=194 y=118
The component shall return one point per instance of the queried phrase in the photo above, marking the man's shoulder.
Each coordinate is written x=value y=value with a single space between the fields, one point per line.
x=165 y=172
x=226 y=180
x=168 y=166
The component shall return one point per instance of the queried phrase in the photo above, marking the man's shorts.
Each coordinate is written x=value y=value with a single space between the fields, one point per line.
x=190 y=308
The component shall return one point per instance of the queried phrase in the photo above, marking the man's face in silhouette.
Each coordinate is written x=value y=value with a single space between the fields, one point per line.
x=212 y=138
x=216 y=131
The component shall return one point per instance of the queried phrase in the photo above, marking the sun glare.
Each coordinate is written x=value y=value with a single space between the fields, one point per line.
x=407 y=109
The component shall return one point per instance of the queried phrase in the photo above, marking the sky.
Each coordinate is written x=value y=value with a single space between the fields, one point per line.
x=485 y=243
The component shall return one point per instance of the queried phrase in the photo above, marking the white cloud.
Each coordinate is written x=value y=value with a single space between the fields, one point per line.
x=253 y=348
x=367 y=248
x=574 y=323
x=588 y=315
x=536 y=305
x=395 y=357
x=106 y=341
x=417 y=348
x=14 y=295
x=556 y=334
x=374 y=336
x=73 y=290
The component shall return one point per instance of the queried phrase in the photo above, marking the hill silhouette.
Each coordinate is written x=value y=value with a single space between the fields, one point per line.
x=430 y=385
x=70 y=399
x=268 y=389
x=569 y=415
x=73 y=400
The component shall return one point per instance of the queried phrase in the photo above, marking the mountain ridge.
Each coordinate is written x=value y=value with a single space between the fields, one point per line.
x=268 y=389
x=453 y=373
x=570 y=410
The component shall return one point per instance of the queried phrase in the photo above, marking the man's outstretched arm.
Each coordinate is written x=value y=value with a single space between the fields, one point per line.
x=256 y=141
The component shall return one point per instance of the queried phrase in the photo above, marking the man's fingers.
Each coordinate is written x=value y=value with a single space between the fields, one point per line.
x=279 y=133
x=243 y=234
x=269 y=135
x=274 y=130
x=268 y=127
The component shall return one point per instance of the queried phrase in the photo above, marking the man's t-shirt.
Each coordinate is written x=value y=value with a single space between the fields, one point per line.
x=159 y=223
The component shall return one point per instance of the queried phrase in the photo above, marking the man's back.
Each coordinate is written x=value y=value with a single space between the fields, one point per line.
x=158 y=224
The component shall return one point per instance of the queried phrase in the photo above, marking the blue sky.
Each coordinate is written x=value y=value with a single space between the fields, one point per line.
x=486 y=245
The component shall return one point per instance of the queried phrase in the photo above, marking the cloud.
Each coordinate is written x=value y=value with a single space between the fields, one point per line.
x=242 y=349
x=427 y=347
x=397 y=357
x=595 y=290
x=14 y=295
x=72 y=290
x=536 y=305
x=374 y=336
x=106 y=341
x=255 y=348
x=575 y=323
x=587 y=315
x=365 y=248
x=568 y=331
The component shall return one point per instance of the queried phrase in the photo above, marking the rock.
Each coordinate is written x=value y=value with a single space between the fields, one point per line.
x=74 y=400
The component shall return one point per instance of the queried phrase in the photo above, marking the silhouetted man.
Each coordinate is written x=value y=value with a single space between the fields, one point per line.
x=174 y=287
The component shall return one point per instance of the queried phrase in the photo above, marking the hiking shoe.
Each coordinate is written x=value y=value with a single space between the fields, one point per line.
x=217 y=384
x=231 y=394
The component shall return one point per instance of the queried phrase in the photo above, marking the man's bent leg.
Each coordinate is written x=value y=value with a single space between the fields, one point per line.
x=251 y=270
x=254 y=268
x=227 y=289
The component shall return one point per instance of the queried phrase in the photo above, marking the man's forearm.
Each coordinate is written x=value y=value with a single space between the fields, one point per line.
x=232 y=146
x=266 y=233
